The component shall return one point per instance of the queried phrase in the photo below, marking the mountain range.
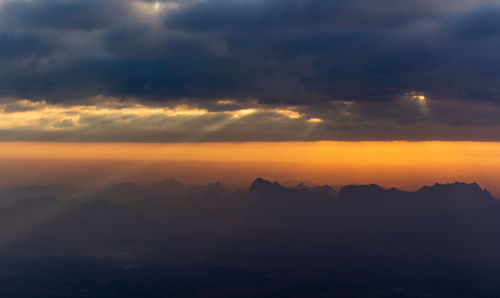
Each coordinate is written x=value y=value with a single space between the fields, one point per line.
x=269 y=233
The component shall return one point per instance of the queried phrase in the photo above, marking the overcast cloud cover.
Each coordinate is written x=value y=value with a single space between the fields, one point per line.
x=350 y=69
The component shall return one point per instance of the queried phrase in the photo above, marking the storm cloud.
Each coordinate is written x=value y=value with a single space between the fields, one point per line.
x=380 y=56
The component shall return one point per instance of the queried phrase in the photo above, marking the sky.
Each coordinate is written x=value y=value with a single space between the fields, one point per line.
x=405 y=165
x=250 y=71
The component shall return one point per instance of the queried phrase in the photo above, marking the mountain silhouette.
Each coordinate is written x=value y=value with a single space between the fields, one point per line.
x=262 y=188
x=275 y=237
x=315 y=188
x=295 y=182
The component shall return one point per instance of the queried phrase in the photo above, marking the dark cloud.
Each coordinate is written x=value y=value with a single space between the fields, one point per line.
x=279 y=52
x=63 y=15
x=482 y=23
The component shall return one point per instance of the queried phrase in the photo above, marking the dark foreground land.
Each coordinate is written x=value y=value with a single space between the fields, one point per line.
x=170 y=240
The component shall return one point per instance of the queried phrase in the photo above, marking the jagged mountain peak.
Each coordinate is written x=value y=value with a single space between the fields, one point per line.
x=455 y=188
x=264 y=188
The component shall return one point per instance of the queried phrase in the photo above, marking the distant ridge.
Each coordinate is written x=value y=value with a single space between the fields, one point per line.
x=324 y=188
x=441 y=219
x=264 y=188
x=458 y=194
x=361 y=190
x=456 y=187
x=295 y=182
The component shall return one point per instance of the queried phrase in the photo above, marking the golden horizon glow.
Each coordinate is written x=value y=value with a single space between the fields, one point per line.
x=315 y=151
x=405 y=164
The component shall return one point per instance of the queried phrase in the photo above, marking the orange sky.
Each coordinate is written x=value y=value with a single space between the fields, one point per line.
x=407 y=165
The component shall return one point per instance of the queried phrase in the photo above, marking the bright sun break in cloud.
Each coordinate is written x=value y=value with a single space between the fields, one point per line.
x=23 y=114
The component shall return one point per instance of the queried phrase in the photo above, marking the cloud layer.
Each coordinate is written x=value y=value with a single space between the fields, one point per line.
x=380 y=56
x=111 y=120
